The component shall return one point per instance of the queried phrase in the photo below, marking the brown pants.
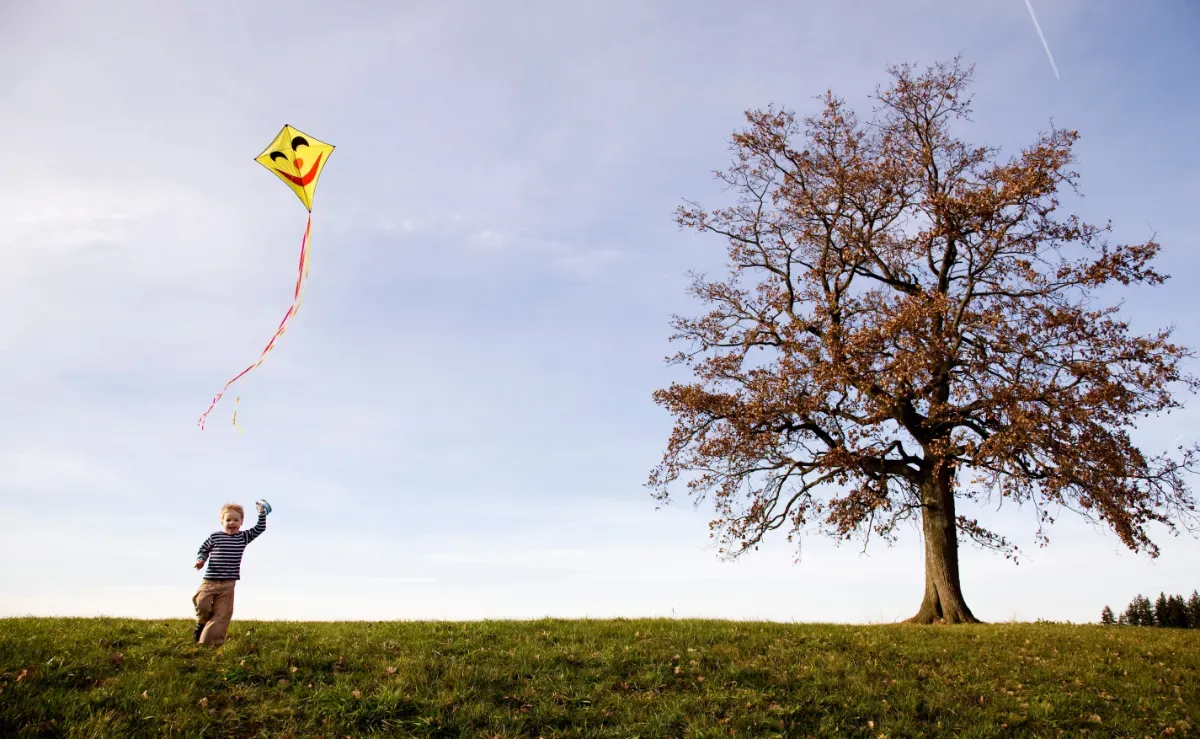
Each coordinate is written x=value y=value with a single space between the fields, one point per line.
x=214 y=609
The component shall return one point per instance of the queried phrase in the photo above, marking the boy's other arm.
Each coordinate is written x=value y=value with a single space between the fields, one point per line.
x=205 y=549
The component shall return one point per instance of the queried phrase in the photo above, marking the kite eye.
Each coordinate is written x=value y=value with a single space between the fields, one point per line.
x=298 y=142
x=278 y=155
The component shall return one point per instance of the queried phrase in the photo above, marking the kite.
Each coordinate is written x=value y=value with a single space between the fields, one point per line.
x=297 y=159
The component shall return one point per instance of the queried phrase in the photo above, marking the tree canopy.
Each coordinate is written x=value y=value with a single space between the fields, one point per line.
x=907 y=321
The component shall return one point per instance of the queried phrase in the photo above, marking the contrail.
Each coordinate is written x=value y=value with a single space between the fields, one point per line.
x=1043 y=38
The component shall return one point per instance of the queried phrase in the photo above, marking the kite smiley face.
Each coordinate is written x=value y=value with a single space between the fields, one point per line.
x=298 y=163
x=297 y=159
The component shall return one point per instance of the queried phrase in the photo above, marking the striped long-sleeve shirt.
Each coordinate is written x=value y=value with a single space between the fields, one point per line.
x=224 y=551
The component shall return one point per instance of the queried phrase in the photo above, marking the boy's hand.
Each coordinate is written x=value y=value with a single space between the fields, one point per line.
x=259 y=507
x=199 y=563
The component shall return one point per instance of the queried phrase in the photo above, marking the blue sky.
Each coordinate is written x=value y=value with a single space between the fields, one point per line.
x=458 y=425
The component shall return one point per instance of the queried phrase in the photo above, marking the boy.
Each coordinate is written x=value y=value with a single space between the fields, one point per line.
x=223 y=549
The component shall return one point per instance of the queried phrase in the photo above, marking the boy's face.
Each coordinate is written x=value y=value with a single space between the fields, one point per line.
x=231 y=522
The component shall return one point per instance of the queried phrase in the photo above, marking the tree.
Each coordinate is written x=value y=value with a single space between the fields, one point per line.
x=1193 y=610
x=918 y=332
x=1162 y=616
x=1145 y=611
x=1106 y=617
x=1132 y=614
x=1177 y=612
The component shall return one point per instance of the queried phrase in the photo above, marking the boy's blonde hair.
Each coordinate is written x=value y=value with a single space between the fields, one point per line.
x=232 y=507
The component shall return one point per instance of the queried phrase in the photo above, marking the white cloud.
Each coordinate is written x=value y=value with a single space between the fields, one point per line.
x=40 y=470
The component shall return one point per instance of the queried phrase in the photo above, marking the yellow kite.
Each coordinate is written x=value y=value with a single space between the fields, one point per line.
x=297 y=159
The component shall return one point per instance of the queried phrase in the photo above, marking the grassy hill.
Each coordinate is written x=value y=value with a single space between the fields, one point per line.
x=108 y=677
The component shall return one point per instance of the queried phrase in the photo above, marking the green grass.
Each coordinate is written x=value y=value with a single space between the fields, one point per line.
x=108 y=677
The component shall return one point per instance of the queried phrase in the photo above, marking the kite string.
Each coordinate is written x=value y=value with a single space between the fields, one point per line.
x=297 y=299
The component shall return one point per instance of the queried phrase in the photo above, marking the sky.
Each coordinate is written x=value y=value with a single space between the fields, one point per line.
x=459 y=422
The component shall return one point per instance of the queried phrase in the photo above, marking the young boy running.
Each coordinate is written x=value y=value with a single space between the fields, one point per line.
x=223 y=549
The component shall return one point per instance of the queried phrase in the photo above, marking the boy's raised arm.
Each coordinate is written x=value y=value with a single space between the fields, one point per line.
x=261 y=526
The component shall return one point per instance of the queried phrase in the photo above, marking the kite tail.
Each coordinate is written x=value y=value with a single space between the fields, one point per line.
x=297 y=299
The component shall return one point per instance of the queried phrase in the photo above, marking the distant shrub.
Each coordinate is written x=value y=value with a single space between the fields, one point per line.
x=1167 y=611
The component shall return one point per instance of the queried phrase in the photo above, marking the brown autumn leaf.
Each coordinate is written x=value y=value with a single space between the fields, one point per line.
x=389 y=670
x=909 y=322
x=356 y=693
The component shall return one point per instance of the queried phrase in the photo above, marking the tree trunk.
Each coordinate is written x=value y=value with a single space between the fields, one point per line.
x=944 y=602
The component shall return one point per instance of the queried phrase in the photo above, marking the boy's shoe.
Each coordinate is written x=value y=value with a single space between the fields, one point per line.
x=196 y=633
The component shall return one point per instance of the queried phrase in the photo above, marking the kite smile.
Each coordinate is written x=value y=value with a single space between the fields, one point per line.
x=306 y=179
